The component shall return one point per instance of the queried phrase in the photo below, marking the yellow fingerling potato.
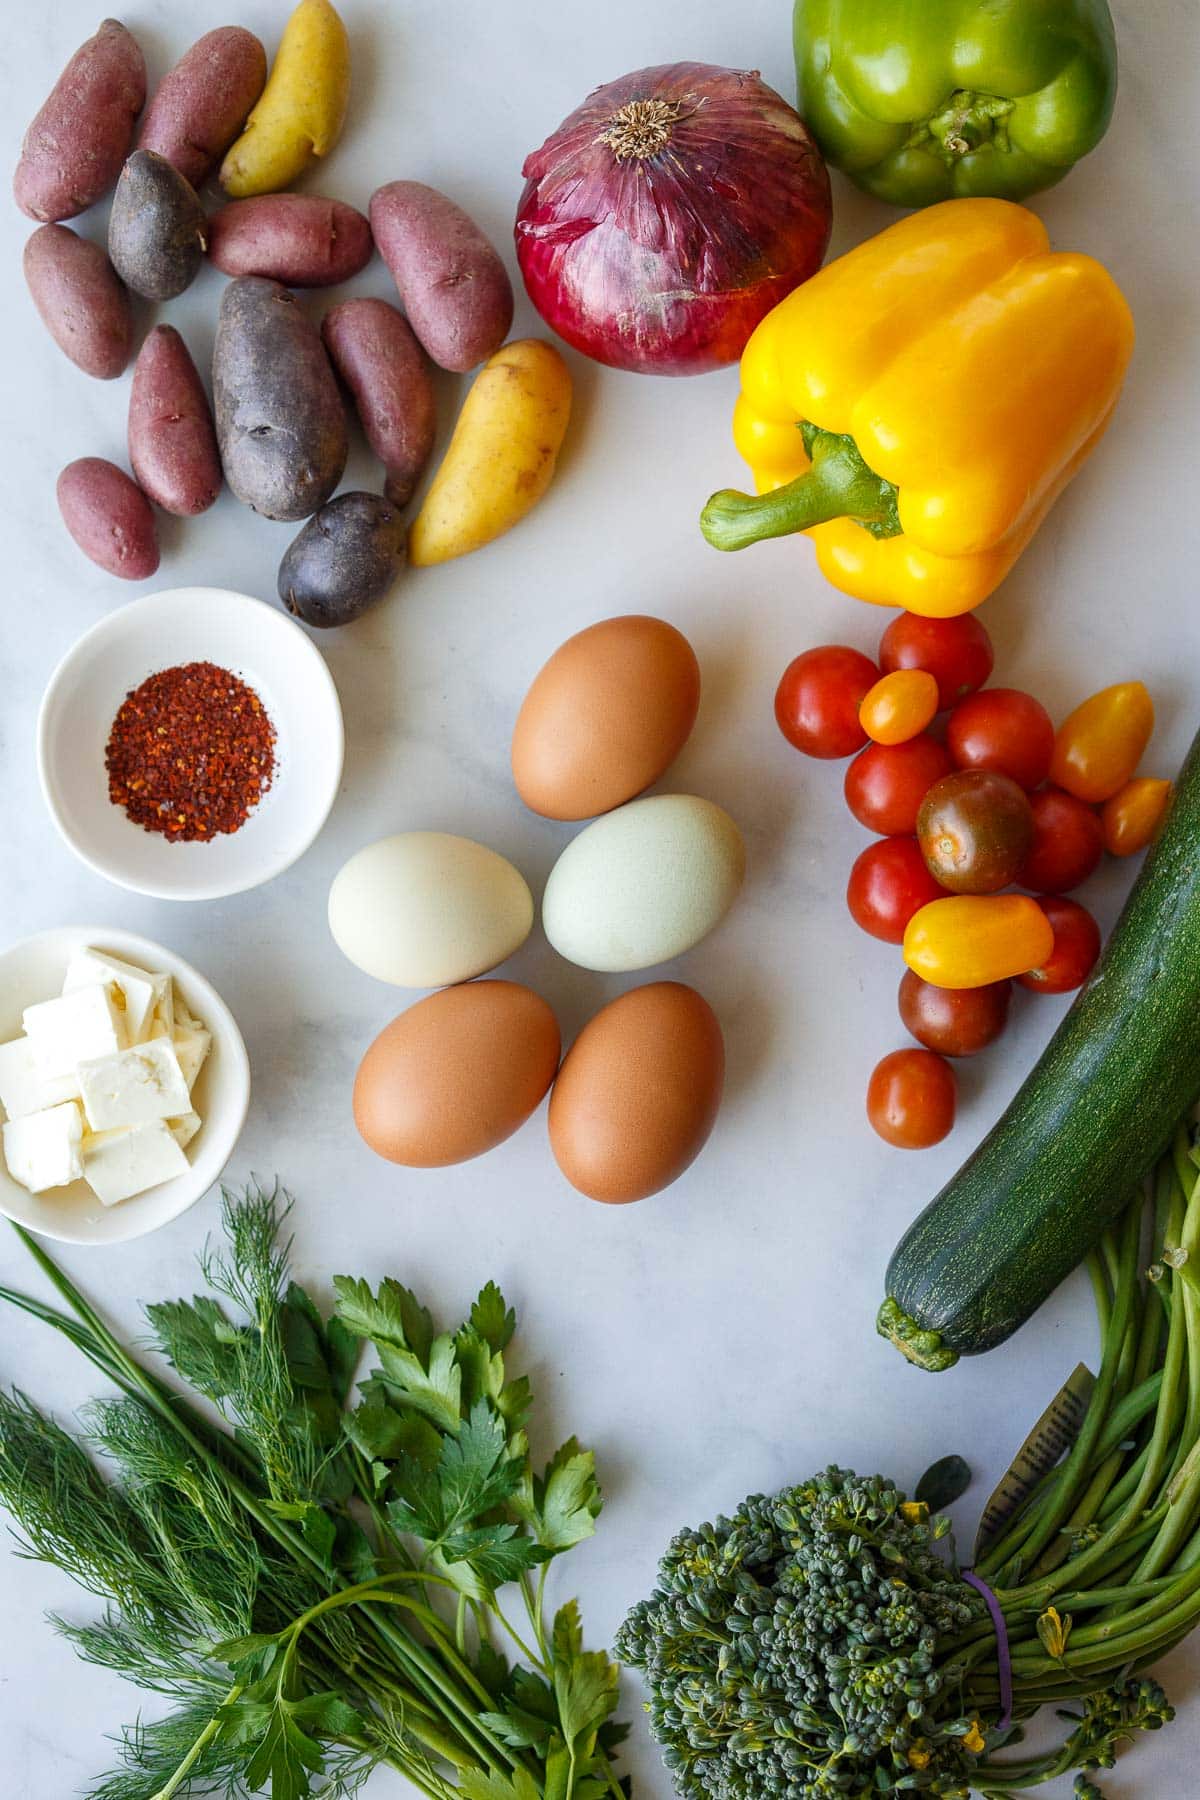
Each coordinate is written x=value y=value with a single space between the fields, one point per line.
x=302 y=109
x=502 y=456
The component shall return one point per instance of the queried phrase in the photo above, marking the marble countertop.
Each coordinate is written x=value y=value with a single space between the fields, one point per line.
x=718 y=1340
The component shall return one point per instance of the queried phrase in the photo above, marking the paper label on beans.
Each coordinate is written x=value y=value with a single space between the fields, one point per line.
x=1047 y=1444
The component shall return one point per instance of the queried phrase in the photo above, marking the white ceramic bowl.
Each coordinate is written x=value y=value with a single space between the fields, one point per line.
x=33 y=970
x=267 y=650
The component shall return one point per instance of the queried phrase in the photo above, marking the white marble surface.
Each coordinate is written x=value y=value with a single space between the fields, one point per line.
x=720 y=1339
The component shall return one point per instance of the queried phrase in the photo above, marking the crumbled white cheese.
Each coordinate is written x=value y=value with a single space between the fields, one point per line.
x=136 y=993
x=192 y=1045
x=184 y=1130
x=136 y=1085
x=43 y=1150
x=119 y=1164
x=22 y=1089
x=73 y=1029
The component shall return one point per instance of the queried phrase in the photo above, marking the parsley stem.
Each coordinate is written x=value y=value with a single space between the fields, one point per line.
x=198 y=1748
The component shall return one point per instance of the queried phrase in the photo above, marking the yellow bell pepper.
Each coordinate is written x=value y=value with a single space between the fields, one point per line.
x=917 y=406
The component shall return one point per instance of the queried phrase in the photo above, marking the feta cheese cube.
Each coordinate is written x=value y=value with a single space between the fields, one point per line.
x=184 y=1130
x=192 y=1045
x=79 y=1026
x=135 y=992
x=142 y=1083
x=22 y=1089
x=119 y=1164
x=44 y=1150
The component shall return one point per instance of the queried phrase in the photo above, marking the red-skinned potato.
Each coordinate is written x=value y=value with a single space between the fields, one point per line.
x=302 y=240
x=80 y=300
x=172 y=440
x=202 y=103
x=109 y=517
x=373 y=349
x=76 y=146
x=455 y=289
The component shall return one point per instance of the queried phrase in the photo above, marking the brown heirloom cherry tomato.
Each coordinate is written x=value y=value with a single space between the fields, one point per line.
x=911 y=1098
x=1006 y=730
x=975 y=828
x=1068 y=842
x=956 y=652
x=1073 y=953
x=817 y=701
x=899 y=706
x=1131 y=819
x=971 y=940
x=953 y=1021
x=888 y=884
x=1100 y=744
x=886 y=783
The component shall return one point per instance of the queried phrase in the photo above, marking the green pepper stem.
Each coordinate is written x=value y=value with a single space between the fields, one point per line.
x=839 y=485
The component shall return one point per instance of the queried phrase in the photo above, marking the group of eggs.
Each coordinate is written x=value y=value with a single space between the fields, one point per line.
x=637 y=1094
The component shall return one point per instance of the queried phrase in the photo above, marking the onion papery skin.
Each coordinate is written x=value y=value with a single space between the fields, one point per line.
x=664 y=262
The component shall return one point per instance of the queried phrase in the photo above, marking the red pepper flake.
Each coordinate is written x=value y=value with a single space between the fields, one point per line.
x=191 y=753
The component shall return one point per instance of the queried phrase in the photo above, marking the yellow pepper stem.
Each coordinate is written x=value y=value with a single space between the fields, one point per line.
x=839 y=485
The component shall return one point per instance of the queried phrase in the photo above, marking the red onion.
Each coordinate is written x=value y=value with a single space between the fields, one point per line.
x=668 y=214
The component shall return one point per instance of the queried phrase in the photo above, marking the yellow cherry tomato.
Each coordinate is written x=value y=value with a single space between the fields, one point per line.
x=899 y=706
x=1098 y=747
x=1132 y=817
x=969 y=940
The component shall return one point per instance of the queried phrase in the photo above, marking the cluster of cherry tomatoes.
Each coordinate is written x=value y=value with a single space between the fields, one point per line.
x=990 y=799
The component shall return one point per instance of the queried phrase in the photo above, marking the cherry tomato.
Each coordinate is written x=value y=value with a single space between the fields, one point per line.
x=886 y=783
x=975 y=828
x=1068 y=841
x=911 y=1099
x=953 y=1021
x=971 y=940
x=1131 y=819
x=899 y=706
x=1005 y=730
x=956 y=652
x=888 y=884
x=817 y=701
x=1074 y=952
x=1100 y=744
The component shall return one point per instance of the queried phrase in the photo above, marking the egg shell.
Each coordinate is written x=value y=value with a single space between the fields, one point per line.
x=643 y=883
x=638 y=1093
x=605 y=717
x=425 y=909
x=456 y=1074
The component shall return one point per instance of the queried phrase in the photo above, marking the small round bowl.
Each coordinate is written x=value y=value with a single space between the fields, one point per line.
x=33 y=970
x=252 y=640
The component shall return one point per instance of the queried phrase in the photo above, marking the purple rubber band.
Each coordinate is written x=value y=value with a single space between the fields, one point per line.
x=1003 y=1657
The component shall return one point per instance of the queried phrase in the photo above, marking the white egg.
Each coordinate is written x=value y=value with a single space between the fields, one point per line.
x=644 y=883
x=424 y=909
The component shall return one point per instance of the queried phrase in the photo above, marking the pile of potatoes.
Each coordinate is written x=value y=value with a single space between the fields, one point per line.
x=277 y=429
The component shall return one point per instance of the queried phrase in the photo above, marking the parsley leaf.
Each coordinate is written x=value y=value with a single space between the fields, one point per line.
x=561 y=1506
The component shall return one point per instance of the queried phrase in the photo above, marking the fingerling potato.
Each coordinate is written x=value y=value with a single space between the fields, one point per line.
x=74 y=149
x=343 y=561
x=201 y=104
x=455 y=289
x=109 y=517
x=156 y=230
x=302 y=109
x=280 y=422
x=80 y=300
x=172 y=440
x=380 y=361
x=502 y=456
x=302 y=240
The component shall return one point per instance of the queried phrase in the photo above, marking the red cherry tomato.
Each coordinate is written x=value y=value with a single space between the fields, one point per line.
x=888 y=884
x=975 y=828
x=886 y=784
x=911 y=1099
x=1005 y=730
x=1076 y=948
x=1068 y=841
x=817 y=701
x=953 y=1021
x=956 y=652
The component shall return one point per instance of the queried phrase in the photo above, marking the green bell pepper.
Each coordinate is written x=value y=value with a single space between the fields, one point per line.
x=924 y=100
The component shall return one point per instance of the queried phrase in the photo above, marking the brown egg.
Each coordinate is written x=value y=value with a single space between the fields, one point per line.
x=456 y=1074
x=605 y=717
x=638 y=1093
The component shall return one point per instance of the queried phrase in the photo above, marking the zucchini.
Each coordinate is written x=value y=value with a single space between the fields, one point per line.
x=1094 y=1114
